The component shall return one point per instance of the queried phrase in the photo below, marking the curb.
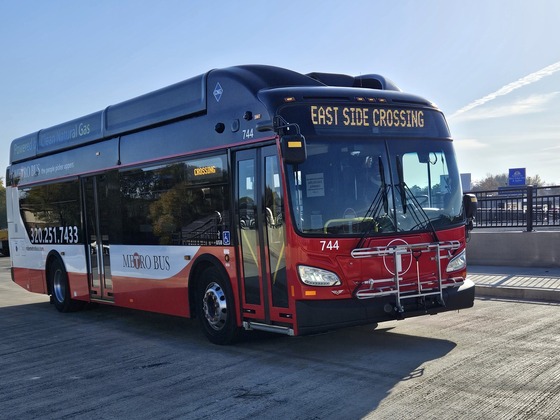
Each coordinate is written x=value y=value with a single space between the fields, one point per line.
x=517 y=293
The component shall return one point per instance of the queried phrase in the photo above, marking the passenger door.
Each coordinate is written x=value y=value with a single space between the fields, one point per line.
x=261 y=231
x=98 y=214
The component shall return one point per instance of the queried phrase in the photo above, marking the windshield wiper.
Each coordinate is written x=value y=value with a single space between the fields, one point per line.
x=380 y=201
x=383 y=186
x=401 y=185
x=416 y=210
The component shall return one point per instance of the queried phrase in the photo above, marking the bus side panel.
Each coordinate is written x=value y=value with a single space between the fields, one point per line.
x=151 y=277
x=163 y=296
x=30 y=270
x=155 y=278
x=32 y=280
x=12 y=207
x=75 y=263
x=79 y=288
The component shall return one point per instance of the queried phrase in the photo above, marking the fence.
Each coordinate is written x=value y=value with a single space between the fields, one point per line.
x=526 y=207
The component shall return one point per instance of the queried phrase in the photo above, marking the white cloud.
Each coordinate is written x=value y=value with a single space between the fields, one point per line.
x=529 y=105
x=468 y=144
x=527 y=80
x=552 y=148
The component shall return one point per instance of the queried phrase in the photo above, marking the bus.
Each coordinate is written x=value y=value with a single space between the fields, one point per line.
x=252 y=198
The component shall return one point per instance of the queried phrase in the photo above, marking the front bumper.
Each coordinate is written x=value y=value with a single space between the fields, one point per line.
x=315 y=316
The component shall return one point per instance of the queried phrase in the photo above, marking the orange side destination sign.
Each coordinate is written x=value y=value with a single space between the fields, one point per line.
x=346 y=116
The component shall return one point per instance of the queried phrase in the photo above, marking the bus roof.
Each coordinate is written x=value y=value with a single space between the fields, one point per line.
x=179 y=101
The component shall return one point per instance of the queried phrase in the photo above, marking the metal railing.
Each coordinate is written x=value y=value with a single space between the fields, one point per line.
x=527 y=207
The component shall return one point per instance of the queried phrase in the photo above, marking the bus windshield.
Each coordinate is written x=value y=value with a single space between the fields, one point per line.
x=357 y=186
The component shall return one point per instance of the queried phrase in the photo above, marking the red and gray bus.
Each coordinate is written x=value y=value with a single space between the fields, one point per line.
x=251 y=197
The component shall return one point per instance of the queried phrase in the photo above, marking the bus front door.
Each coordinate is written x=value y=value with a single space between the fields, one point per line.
x=262 y=237
x=97 y=201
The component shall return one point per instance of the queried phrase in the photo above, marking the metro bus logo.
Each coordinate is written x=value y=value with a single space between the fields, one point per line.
x=146 y=262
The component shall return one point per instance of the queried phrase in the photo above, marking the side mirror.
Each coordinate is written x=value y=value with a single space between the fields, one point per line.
x=293 y=147
x=470 y=205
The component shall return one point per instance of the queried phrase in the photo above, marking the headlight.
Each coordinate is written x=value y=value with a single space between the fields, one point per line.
x=457 y=263
x=316 y=277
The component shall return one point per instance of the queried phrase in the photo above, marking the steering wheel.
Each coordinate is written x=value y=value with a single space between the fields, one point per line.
x=349 y=213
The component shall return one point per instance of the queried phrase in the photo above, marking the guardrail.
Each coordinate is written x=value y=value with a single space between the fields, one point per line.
x=526 y=207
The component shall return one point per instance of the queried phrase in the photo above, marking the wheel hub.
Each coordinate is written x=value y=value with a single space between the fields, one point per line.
x=214 y=306
x=58 y=287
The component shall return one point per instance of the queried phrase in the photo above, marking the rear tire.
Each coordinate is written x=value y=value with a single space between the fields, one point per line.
x=216 y=308
x=60 y=289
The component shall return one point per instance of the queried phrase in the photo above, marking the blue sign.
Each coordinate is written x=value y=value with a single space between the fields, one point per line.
x=227 y=238
x=516 y=177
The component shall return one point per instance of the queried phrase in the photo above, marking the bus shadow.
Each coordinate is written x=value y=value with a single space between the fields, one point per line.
x=342 y=374
x=360 y=365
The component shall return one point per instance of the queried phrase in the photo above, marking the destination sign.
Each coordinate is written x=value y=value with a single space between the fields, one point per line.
x=206 y=169
x=351 y=116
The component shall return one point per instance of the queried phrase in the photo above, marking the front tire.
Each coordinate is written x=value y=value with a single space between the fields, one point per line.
x=216 y=308
x=60 y=288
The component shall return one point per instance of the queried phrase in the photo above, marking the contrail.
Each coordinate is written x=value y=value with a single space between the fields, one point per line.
x=527 y=80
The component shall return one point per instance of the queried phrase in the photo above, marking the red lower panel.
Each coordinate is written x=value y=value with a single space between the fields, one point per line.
x=163 y=296
x=79 y=288
x=31 y=280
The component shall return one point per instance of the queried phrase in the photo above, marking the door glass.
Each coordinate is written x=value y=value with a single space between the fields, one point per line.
x=90 y=188
x=248 y=233
x=275 y=231
x=102 y=197
x=108 y=200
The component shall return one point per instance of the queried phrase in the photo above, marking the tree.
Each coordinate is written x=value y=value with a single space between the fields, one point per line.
x=535 y=181
x=493 y=182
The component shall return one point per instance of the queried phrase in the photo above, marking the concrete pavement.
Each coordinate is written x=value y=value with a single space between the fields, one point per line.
x=506 y=282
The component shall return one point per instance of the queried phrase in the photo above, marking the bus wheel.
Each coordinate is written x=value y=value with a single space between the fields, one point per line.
x=215 y=307
x=60 y=288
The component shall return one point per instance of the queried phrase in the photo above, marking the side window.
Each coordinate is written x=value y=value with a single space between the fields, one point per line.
x=51 y=213
x=181 y=203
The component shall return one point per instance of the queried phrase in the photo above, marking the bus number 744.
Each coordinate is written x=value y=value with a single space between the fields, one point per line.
x=329 y=245
x=248 y=134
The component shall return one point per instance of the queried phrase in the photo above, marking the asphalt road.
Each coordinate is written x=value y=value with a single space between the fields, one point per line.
x=500 y=359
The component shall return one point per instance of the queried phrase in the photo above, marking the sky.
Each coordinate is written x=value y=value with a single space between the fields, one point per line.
x=492 y=66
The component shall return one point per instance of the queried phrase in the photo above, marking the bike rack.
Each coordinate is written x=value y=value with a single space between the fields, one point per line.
x=420 y=288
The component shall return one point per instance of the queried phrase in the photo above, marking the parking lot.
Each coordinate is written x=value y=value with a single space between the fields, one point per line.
x=499 y=359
